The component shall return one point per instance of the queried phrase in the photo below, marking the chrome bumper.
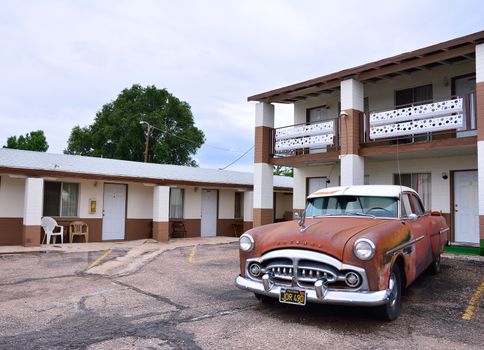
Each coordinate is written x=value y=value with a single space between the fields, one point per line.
x=329 y=297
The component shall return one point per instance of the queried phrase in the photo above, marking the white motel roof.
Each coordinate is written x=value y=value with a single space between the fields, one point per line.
x=50 y=164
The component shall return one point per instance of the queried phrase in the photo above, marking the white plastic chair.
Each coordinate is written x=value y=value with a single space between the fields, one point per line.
x=49 y=225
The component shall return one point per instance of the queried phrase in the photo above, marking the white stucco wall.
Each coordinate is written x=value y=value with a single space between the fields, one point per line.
x=226 y=204
x=140 y=201
x=283 y=204
x=248 y=205
x=381 y=173
x=89 y=189
x=192 y=207
x=330 y=100
x=11 y=197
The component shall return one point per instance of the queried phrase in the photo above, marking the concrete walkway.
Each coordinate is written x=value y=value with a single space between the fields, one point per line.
x=142 y=244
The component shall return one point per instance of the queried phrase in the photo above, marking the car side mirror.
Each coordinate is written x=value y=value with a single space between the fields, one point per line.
x=413 y=217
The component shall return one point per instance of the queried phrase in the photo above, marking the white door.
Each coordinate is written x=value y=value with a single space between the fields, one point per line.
x=316 y=183
x=209 y=213
x=114 y=212
x=466 y=212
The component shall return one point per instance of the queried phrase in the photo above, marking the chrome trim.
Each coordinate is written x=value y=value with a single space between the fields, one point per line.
x=331 y=297
x=295 y=255
x=372 y=245
x=251 y=241
x=404 y=245
x=444 y=230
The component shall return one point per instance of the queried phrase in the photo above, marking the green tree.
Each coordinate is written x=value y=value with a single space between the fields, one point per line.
x=283 y=171
x=118 y=131
x=33 y=141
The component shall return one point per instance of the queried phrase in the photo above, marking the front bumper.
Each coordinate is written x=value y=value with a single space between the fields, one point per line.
x=331 y=296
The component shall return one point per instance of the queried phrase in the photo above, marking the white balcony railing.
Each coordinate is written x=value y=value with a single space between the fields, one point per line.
x=426 y=118
x=311 y=136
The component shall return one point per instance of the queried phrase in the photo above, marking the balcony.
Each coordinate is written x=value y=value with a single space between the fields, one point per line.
x=451 y=118
x=303 y=139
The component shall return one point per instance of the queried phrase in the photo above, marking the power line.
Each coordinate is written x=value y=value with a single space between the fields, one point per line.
x=184 y=139
x=225 y=167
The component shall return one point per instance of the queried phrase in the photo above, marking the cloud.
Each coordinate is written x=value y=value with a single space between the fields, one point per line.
x=61 y=61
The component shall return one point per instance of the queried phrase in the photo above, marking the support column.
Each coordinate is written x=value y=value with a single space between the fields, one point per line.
x=248 y=210
x=161 y=213
x=33 y=202
x=263 y=174
x=480 y=137
x=352 y=104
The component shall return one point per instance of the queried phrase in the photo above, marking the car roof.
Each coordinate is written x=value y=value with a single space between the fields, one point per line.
x=366 y=190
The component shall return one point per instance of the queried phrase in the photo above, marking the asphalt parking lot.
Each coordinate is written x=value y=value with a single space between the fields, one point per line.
x=186 y=299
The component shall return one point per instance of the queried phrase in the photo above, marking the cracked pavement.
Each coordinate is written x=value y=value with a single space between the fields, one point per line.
x=171 y=301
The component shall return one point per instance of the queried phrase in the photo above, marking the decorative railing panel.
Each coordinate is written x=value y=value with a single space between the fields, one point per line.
x=317 y=135
x=426 y=118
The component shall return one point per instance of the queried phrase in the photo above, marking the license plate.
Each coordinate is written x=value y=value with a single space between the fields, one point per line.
x=293 y=296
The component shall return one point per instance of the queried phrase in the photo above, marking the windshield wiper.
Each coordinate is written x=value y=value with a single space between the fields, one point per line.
x=359 y=214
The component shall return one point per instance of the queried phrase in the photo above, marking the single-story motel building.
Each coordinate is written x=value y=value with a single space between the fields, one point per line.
x=124 y=200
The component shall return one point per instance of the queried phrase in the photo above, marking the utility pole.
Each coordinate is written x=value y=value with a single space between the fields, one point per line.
x=147 y=139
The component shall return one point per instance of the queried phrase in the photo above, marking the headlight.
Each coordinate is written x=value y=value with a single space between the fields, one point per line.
x=246 y=243
x=364 y=249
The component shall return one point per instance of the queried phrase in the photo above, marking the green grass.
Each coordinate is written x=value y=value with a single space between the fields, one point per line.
x=455 y=249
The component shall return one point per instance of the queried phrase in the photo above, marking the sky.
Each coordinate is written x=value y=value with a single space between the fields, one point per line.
x=60 y=61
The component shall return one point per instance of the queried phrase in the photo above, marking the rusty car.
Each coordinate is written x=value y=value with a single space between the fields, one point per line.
x=355 y=245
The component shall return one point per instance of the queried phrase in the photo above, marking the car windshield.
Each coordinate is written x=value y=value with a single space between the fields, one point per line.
x=372 y=206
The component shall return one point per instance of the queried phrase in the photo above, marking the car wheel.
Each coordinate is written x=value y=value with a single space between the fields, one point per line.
x=391 y=310
x=435 y=266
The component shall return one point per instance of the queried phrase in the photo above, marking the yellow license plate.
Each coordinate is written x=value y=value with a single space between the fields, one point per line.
x=293 y=296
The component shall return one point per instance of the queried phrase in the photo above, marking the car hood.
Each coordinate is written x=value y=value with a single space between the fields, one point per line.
x=328 y=234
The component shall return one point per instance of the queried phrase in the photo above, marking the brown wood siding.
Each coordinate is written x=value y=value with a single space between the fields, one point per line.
x=262 y=216
x=225 y=227
x=161 y=231
x=11 y=230
x=192 y=226
x=480 y=110
x=31 y=235
x=263 y=144
x=139 y=229
x=248 y=225
x=350 y=132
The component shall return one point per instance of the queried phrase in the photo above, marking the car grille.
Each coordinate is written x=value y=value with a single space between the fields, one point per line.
x=307 y=272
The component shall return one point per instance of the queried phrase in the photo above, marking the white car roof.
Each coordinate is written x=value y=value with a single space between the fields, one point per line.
x=366 y=190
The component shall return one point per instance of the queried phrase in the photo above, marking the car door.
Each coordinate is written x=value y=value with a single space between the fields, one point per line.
x=419 y=227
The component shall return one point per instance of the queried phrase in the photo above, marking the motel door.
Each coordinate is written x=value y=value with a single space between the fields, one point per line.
x=209 y=213
x=114 y=212
x=466 y=212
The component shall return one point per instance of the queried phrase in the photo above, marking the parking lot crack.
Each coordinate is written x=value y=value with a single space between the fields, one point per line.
x=27 y=280
x=160 y=298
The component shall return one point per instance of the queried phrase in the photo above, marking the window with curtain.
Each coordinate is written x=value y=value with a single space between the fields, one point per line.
x=420 y=182
x=239 y=205
x=61 y=199
x=176 y=203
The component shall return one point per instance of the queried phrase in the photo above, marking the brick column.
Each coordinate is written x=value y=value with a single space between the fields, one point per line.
x=33 y=203
x=161 y=212
x=352 y=103
x=480 y=136
x=263 y=177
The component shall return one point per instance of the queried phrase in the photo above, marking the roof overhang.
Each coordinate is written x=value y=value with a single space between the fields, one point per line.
x=448 y=52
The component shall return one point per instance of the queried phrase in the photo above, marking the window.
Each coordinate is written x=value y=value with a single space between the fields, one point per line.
x=406 y=207
x=385 y=207
x=239 y=205
x=176 y=203
x=421 y=183
x=413 y=96
x=61 y=199
x=417 y=206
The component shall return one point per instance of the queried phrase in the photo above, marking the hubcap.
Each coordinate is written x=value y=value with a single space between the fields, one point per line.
x=392 y=285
